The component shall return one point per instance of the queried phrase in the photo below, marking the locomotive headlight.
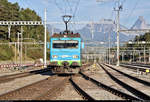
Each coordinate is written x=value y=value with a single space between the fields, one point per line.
x=55 y=56
x=75 y=56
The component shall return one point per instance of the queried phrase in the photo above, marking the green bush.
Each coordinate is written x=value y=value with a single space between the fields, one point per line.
x=6 y=52
x=35 y=54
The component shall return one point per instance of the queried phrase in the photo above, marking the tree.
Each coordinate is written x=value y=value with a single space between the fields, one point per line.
x=12 y=12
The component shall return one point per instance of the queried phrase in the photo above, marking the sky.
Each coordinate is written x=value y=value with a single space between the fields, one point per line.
x=89 y=10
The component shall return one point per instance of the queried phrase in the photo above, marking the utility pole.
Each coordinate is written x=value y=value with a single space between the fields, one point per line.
x=18 y=46
x=122 y=56
x=118 y=30
x=92 y=29
x=15 y=54
x=139 y=56
x=144 y=55
x=9 y=28
x=25 y=56
x=105 y=48
x=133 y=55
x=109 y=48
x=21 y=43
x=45 y=39
x=149 y=55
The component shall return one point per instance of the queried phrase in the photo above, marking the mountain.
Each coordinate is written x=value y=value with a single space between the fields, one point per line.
x=102 y=30
x=105 y=28
x=52 y=29
x=140 y=24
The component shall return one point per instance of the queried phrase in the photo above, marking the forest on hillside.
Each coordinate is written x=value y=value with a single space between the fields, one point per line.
x=13 y=12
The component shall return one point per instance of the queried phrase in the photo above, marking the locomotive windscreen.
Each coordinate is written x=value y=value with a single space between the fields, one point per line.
x=65 y=44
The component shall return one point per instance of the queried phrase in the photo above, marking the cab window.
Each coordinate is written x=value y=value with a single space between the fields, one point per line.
x=66 y=44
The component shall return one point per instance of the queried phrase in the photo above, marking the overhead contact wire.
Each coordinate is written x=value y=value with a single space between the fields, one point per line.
x=61 y=9
x=132 y=10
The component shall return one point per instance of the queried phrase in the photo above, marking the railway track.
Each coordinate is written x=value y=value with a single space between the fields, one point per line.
x=51 y=87
x=138 y=64
x=109 y=89
x=45 y=89
x=41 y=90
x=131 y=77
x=129 y=84
x=11 y=77
x=7 y=78
x=136 y=67
x=80 y=91
x=90 y=91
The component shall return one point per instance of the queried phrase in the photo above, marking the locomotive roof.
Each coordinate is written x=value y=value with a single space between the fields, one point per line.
x=57 y=35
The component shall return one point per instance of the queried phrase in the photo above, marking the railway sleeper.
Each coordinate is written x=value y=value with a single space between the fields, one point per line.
x=80 y=91
x=136 y=92
x=129 y=76
x=109 y=89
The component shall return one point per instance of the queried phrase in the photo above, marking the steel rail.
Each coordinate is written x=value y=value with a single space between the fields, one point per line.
x=18 y=89
x=136 y=92
x=11 y=77
x=109 y=89
x=53 y=89
x=129 y=76
x=141 y=68
x=80 y=91
x=140 y=65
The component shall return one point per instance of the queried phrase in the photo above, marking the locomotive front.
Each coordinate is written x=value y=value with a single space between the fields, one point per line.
x=65 y=53
x=65 y=50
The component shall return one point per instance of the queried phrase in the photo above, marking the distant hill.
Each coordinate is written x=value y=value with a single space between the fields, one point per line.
x=101 y=29
x=140 y=24
x=49 y=28
x=104 y=27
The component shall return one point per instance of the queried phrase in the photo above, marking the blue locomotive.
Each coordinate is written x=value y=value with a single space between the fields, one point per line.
x=65 y=52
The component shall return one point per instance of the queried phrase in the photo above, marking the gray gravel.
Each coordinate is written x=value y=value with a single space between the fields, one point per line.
x=134 y=73
x=69 y=93
x=143 y=88
x=95 y=91
x=102 y=77
x=20 y=82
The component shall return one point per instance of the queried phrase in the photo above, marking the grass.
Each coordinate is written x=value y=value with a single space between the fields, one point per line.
x=6 y=52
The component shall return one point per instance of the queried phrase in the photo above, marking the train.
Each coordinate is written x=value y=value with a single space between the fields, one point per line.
x=65 y=52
